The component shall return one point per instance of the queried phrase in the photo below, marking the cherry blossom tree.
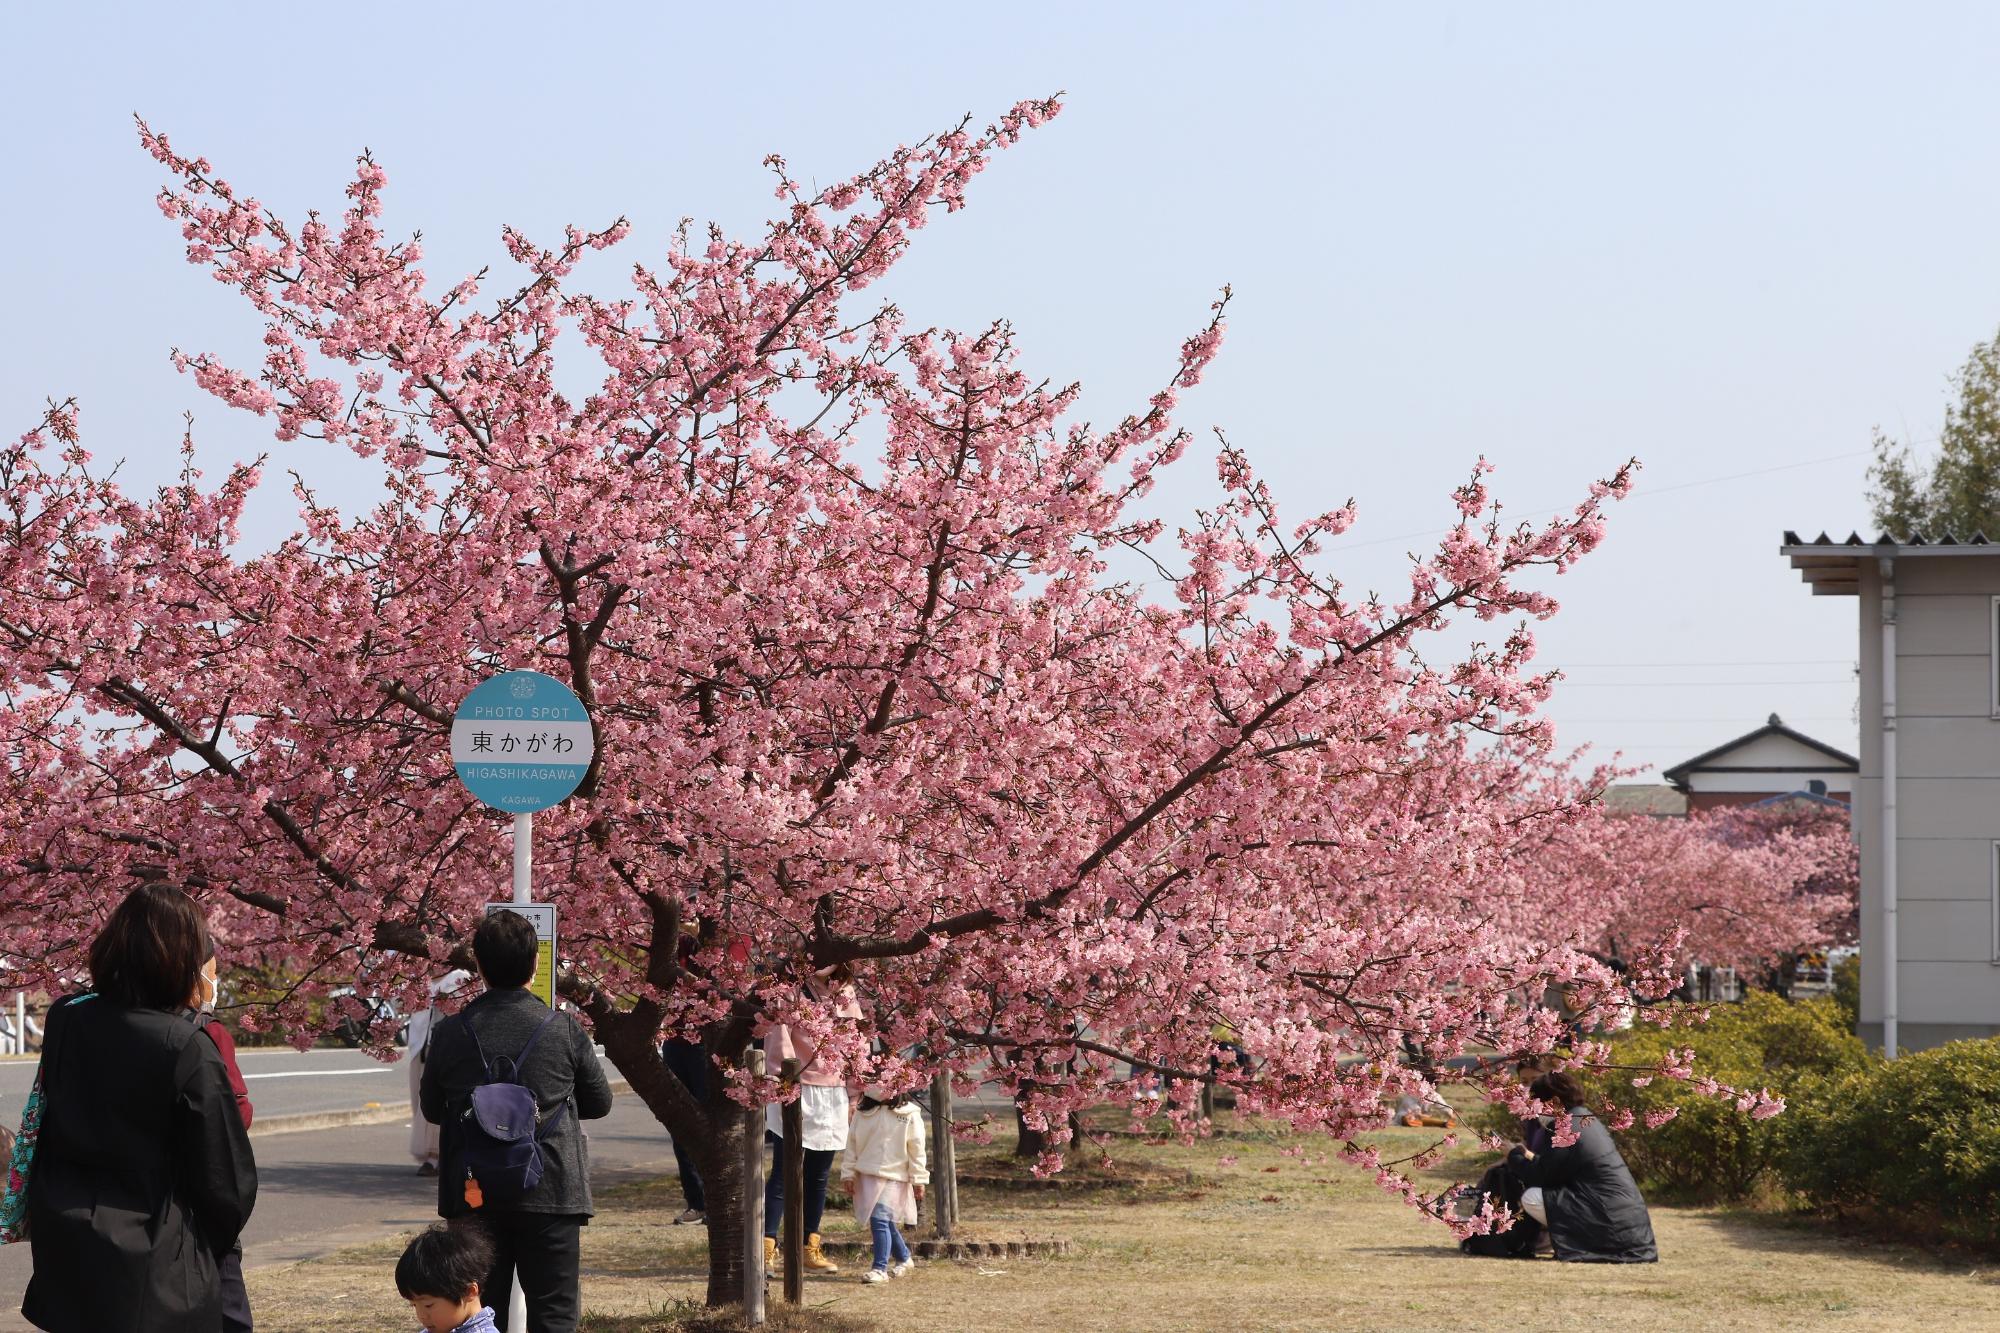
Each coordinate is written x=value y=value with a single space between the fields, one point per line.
x=1749 y=887
x=1828 y=882
x=837 y=593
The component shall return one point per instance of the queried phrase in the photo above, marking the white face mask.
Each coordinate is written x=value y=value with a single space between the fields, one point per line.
x=206 y=988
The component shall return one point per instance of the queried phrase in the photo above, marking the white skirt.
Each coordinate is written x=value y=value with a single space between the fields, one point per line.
x=900 y=1195
x=824 y=1113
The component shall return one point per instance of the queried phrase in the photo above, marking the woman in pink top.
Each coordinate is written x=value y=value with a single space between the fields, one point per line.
x=823 y=1119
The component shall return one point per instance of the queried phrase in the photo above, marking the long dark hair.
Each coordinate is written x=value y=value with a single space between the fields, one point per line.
x=150 y=951
x=1558 y=1085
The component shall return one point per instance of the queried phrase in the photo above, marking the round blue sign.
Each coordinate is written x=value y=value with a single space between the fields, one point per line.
x=521 y=742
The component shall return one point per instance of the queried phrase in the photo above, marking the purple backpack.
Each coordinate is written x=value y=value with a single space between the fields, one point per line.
x=501 y=1127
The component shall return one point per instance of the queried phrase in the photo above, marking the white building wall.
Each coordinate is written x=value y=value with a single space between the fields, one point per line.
x=1838 y=783
x=1771 y=764
x=1948 y=798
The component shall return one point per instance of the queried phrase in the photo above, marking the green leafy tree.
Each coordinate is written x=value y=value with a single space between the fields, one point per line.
x=1958 y=492
x=1847 y=990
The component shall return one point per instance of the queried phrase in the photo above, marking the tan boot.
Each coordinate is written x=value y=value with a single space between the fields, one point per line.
x=770 y=1255
x=816 y=1260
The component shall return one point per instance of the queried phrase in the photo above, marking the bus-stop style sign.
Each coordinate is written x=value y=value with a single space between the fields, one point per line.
x=521 y=742
x=542 y=916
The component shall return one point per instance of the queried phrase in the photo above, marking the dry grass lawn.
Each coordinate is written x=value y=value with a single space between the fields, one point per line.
x=1272 y=1241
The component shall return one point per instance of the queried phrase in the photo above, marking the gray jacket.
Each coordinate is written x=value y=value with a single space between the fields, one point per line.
x=1596 y=1213
x=563 y=1067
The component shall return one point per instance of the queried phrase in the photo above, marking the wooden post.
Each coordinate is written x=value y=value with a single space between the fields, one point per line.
x=1208 y=1101
x=944 y=1160
x=795 y=1192
x=753 y=1198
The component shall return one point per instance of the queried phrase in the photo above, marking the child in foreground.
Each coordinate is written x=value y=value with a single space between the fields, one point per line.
x=885 y=1162
x=439 y=1275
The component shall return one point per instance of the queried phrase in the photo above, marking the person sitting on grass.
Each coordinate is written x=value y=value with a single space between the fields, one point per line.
x=885 y=1162
x=1525 y=1238
x=439 y=1275
x=1583 y=1192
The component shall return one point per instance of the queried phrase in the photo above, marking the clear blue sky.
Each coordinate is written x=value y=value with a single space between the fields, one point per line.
x=1724 y=238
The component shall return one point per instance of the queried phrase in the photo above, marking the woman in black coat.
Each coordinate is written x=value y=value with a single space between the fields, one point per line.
x=1584 y=1193
x=142 y=1177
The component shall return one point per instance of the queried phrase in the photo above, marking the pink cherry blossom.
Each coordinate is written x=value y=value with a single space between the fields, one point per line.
x=835 y=592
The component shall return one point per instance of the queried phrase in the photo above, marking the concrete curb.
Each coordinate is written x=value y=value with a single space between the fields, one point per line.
x=861 y=1251
x=1064 y=1183
x=306 y=1120
x=360 y=1115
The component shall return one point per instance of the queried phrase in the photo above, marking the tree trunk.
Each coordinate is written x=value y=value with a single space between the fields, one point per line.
x=722 y=1191
x=1032 y=1143
x=944 y=1159
x=1780 y=975
x=711 y=1130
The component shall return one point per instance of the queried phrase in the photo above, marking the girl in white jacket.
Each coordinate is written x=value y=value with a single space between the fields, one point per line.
x=886 y=1172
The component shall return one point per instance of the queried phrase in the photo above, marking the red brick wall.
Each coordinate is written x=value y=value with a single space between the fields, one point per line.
x=1717 y=800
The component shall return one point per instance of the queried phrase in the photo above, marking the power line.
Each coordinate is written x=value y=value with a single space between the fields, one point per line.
x=1656 y=720
x=1661 y=748
x=1758 y=472
x=1651 y=747
x=1792 y=661
x=1669 y=684
x=1639 y=492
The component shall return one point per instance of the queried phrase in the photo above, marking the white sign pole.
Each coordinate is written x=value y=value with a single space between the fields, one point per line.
x=522 y=741
x=524 y=858
x=524 y=873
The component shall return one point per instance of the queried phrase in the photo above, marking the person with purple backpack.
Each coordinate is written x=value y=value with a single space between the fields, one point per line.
x=507 y=1081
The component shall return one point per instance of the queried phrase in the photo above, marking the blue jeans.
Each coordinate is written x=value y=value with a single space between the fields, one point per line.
x=888 y=1238
x=819 y=1166
x=689 y=1064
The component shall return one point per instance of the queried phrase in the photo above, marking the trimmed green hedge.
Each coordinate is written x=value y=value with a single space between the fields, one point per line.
x=1913 y=1142
x=1911 y=1146
x=1710 y=1152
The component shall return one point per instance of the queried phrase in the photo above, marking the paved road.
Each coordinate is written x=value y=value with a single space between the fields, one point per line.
x=282 y=1082
x=287 y=1082
x=322 y=1190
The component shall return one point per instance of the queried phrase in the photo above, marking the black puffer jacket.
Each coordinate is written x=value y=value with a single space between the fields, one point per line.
x=1596 y=1213
x=143 y=1175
